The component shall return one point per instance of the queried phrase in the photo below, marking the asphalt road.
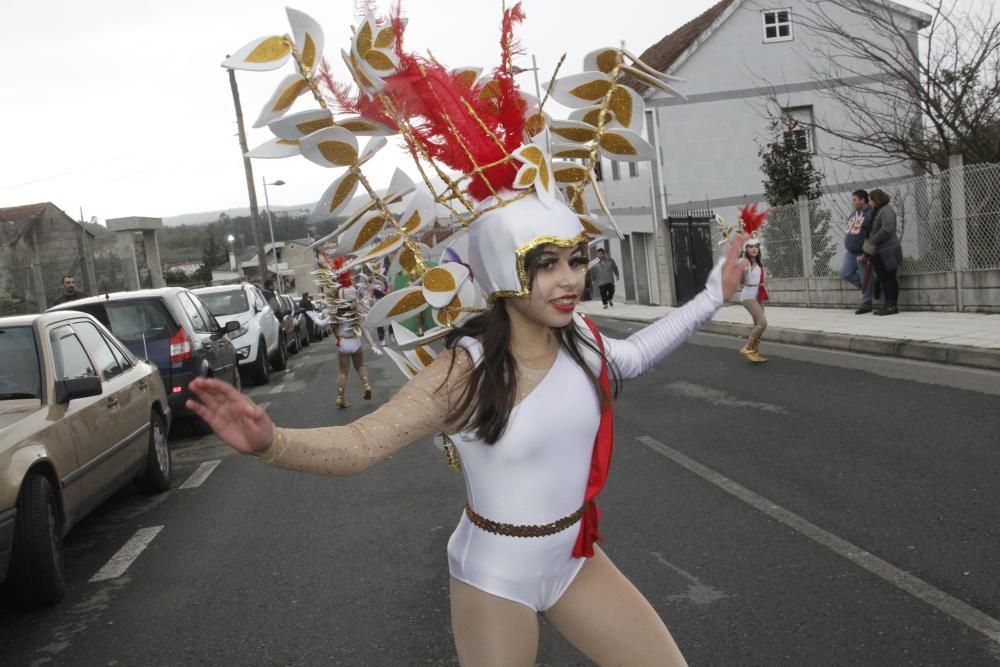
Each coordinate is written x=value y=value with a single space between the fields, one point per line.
x=822 y=509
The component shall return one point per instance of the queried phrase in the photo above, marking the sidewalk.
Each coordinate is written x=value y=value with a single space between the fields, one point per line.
x=967 y=339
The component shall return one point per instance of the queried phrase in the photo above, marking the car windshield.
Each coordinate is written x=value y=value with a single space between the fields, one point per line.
x=19 y=374
x=231 y=302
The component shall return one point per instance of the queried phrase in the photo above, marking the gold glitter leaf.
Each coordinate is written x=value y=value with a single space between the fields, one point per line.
x=534 y=124
x=412 y=223
x=338 y=153
x=490 y=90
x=368 y=231
x=439 y=280
x=577 y=134
x=345 y=190
x=363 y=40
x=589 y=227
x=357 y=125
x=424 y=355
x=310 y=126
x=527 y=177
x=607 y=60
x=621 y=105
x=309 y=52
x=617 y=144
x=287 y=142
x=388 y=243
x=289 y=95
x=271 y=49
x=379 y=60
x=385 y=38
x=592 y=90
x=467 y=78
x=411 y=301
x=571 y=174
x=576 y=153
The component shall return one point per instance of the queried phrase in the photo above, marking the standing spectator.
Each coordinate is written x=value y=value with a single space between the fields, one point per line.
x=856 y=267
x=604 y=272
x=883 y=246
x=68 y=291
x=306 y=303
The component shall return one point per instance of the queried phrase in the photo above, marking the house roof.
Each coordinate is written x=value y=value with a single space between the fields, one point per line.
x=26 y=212
x=668 y=50
x=665 y=52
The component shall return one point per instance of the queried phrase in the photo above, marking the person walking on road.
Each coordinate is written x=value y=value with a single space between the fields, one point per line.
x=856 y=267
x=604 y=272
x=350 y=330
x=752 y=296
x=68 y=291
x=885 y=250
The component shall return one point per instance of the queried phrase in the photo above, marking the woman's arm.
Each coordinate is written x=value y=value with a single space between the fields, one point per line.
x=650 y=345
x=419 y=409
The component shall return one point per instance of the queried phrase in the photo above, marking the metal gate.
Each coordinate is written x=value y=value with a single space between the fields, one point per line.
x=691 y=240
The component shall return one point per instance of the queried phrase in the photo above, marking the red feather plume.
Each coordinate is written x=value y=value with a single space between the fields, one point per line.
x=436 y=104
x=751 y=219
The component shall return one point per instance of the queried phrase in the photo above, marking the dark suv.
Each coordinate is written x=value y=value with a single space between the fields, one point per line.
x=172 y=328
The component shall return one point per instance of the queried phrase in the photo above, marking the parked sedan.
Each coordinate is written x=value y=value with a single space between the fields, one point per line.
x=171 y=327
x=80 y=417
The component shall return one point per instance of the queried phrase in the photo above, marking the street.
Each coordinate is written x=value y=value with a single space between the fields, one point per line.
x=825 y=508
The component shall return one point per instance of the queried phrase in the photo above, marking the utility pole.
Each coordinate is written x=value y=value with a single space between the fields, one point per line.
x=258 y=232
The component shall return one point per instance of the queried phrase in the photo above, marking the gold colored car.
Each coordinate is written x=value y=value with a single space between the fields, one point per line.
x=80 y=417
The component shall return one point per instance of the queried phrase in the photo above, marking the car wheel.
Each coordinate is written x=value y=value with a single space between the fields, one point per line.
x=37 y=575
x=297 y=346
x=260 y=372
x=155 y=477
x=279 y=361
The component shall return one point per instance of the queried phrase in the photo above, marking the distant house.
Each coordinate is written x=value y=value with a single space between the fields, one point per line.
x=739 y=57
x=294 y=261
x=39 y=244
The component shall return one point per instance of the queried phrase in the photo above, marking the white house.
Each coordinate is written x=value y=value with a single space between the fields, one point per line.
x=739 y=57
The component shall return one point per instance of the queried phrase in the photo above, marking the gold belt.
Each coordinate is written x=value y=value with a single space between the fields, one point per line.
x=513 y=530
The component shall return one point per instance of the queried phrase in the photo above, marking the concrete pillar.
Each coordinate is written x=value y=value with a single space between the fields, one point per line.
x=86 y=260
x=37 y=279
x=959 y=222
x=126 y=253
x=152 y=248
x=661 y=234
x=807 y=250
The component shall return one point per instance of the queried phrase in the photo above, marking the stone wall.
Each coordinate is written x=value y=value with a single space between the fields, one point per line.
x=927 y=291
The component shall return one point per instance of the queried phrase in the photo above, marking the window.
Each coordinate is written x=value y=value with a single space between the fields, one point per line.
x=599 y=170
x=94 y=343
x=798 y=130
x=777 y=25
x=633 y=169
x=200 y=325
x=206 y=315
x=71 y=361
x=123 y=357
x=616 y=172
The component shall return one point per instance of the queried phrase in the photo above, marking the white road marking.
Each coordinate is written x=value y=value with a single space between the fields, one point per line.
x=288 y=376
x=120 y=562
x=264 y=404
x=960 y=611
x=277 y=389
x=200 y=474
x=720 y=398
x=698 y=592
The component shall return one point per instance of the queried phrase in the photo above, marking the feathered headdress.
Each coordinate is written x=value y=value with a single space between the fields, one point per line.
x=505 y=148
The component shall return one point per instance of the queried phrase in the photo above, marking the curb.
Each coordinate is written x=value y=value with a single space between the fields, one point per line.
x=958 y=355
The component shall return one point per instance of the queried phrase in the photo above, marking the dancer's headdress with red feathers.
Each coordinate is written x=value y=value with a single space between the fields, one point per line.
x=521 y=176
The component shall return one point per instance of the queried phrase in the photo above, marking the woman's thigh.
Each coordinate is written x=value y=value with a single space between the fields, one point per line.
x=604 y=616
x=491 y=631
x=344 y=363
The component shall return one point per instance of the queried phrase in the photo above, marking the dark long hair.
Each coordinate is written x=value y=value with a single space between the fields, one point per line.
x=491 y=389
x=759 y=258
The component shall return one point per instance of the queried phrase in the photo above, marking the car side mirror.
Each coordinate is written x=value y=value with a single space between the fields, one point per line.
x=232 y=326
x=67 y=390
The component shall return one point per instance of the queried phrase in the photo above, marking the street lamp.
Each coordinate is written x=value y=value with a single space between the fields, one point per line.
x=270 y=226
x=232 y=252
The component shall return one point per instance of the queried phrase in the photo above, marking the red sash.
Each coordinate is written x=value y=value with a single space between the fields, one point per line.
x=761 y=292
x=600 y=463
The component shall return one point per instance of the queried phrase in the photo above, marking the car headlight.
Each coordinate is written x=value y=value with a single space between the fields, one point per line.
x=243 y=352
x=239 y=332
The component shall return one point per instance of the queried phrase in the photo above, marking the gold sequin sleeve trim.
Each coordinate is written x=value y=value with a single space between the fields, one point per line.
x=418 y=410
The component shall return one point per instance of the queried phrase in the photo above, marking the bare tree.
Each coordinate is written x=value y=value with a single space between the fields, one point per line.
x=914 y=96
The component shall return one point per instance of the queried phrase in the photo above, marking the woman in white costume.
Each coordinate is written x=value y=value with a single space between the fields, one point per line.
x=524 y=387
x=349 y=328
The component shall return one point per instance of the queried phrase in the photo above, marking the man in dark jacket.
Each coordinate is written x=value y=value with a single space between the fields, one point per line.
x=856 y=265
x=68 y=291
x=604 y=272
x=306 y=303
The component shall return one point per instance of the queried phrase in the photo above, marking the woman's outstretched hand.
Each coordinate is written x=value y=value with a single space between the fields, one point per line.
x=239 y=422
x=733 y=270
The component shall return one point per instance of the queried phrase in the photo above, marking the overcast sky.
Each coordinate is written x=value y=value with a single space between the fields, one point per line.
x=120 y=106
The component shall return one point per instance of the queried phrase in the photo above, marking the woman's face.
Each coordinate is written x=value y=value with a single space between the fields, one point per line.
x=556 y=287
x=753 y=250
